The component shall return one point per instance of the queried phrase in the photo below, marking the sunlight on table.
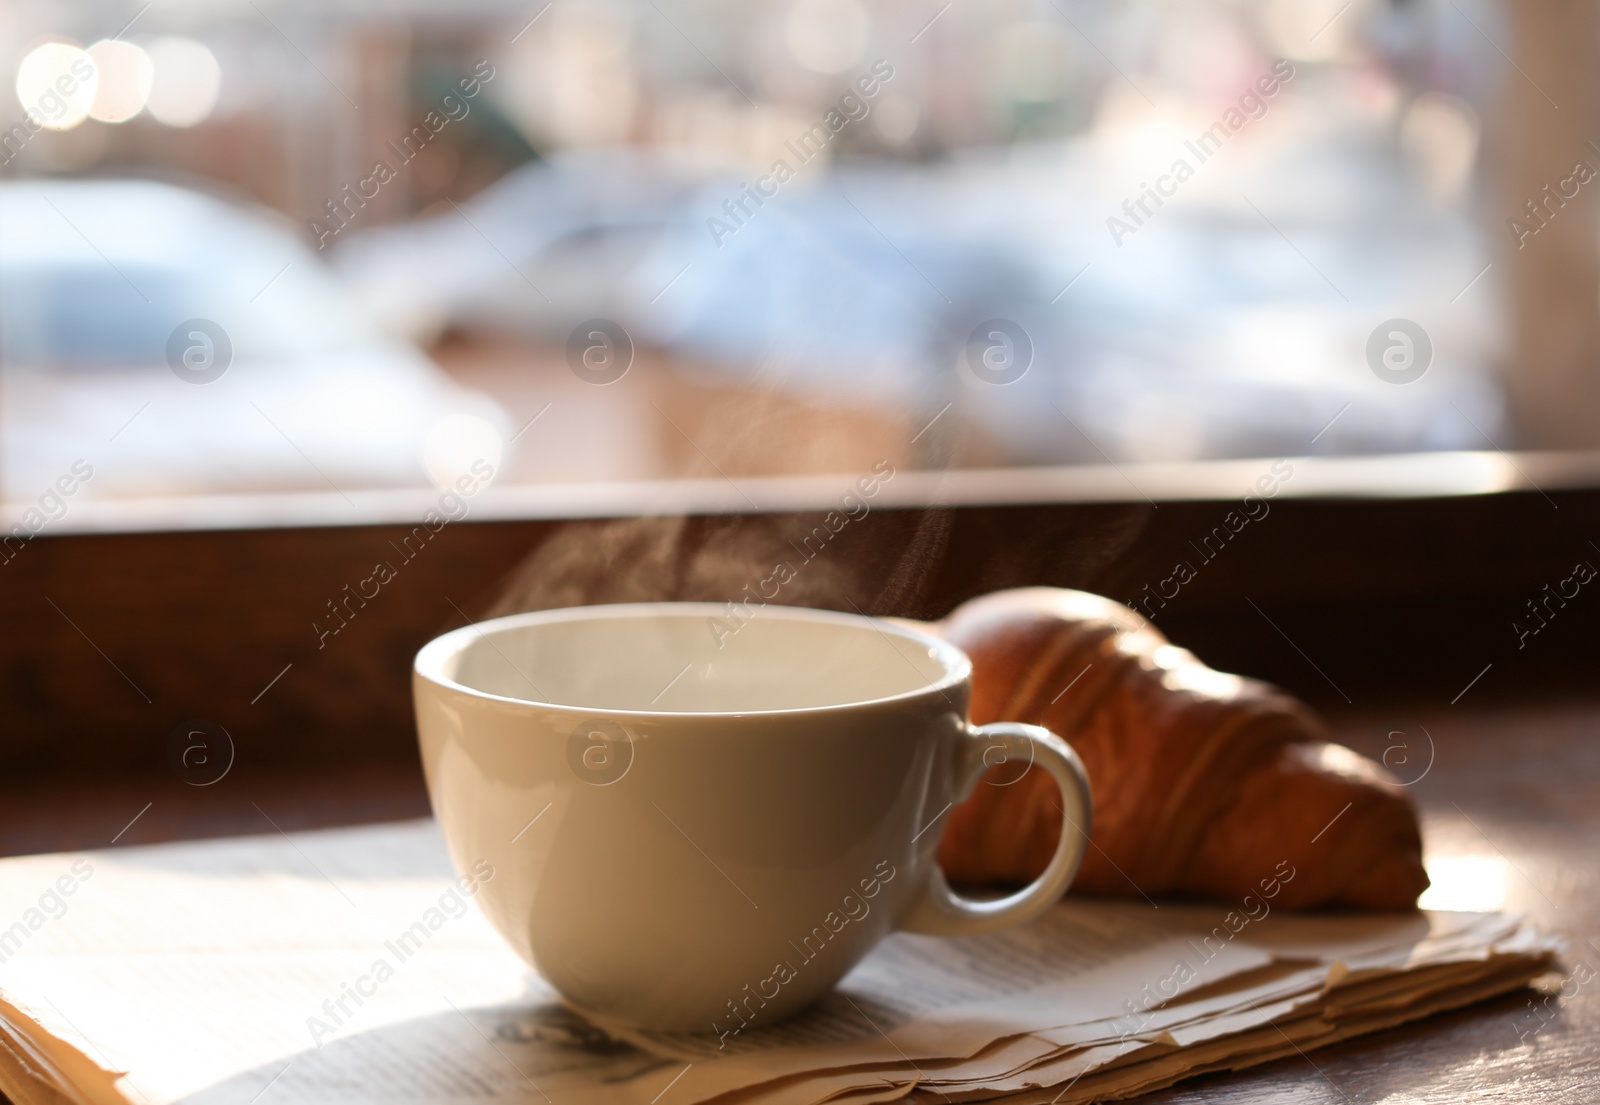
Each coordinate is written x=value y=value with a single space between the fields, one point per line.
x=1465 y=883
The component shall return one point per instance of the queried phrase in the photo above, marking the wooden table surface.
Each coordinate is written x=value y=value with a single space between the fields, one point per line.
x=1509 y=792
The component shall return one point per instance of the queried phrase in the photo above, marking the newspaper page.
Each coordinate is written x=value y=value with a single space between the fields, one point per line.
x=353 y=966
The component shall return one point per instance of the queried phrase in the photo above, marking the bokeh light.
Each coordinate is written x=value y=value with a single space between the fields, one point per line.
x=126 y=74
x=896 y=118
x=827 y=36
x=56 y=83
x=1313 y=30
x=187 y=80
x=1439 y=141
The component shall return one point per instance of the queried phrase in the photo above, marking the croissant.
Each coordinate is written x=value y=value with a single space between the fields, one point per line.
x=1205 y=784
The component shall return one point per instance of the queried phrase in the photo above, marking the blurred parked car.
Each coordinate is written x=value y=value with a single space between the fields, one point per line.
x=178 y=343
x=879 y=285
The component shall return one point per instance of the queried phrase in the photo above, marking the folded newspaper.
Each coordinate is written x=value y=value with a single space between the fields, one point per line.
x=350 y=966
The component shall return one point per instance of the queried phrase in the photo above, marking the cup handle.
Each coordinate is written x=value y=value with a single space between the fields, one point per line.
x=942 y=912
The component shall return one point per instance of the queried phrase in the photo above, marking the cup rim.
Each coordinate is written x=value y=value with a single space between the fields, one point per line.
x=431 y=658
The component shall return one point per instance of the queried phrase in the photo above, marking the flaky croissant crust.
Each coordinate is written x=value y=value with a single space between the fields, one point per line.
x=1205 y=784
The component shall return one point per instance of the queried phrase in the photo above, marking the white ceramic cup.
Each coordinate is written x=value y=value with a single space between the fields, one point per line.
x=701 y=823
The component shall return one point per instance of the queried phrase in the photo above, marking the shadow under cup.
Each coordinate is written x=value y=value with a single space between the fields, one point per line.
x=694 y=822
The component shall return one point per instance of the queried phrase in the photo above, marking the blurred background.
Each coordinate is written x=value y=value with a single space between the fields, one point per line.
x=273 y=245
